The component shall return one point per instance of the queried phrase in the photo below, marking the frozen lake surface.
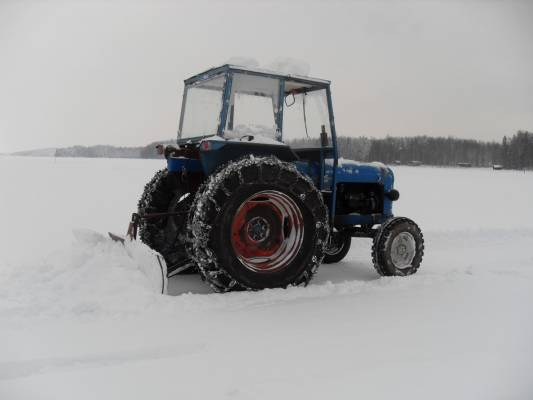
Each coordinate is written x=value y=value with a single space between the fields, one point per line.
x=81 y=318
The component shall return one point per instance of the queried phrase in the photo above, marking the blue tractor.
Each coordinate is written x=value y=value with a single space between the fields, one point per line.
x=255 y=195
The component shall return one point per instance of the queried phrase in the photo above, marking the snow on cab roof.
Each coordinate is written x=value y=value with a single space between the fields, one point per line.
x=255 y=71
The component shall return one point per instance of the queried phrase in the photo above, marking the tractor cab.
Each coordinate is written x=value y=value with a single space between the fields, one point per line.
x=235 y=102
x=249 y=111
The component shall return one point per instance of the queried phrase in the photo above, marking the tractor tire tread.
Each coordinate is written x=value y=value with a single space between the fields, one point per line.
x=218 y=188
x=157 y=195
x=379 y=245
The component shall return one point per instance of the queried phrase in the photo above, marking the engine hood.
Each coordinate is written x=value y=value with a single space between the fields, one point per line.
x=355 y=171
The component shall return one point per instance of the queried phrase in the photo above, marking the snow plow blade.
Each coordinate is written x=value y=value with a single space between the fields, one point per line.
x=183 y=266
x=116 y=238
x=158 y=260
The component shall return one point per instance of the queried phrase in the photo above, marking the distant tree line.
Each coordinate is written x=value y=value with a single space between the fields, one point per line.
x=149 y=151
x=435 y=151
x=98 y=151
x=514 y=152
x=517 y=151
x=105 y=151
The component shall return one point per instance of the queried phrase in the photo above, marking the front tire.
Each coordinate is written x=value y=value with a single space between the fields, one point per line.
x=398 y=248
x=338 y=246
x=258 y=223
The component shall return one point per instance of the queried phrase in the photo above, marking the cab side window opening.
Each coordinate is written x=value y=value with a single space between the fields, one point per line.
x=304 y=115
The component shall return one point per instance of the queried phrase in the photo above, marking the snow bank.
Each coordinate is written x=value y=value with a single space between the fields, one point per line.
x=92 y=276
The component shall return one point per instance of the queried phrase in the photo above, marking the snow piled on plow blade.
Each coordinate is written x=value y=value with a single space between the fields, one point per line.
x=94 y=275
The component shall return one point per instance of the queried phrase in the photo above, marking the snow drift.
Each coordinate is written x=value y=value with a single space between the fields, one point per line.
x=94 y=275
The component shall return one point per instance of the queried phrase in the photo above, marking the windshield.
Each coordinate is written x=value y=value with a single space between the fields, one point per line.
x=253 y=107
x=201 y=109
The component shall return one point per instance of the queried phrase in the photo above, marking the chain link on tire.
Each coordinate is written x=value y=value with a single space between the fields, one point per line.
x=164 y=194
x=220 y=190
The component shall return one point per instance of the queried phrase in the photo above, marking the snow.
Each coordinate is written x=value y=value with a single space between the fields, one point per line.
x=81 y=316
x=248 y=62
x=281 y=65
x=290 y=66
x=241 y=130
x=344 y=162
x=260 y=138
x=260 y=133
x=84 y=278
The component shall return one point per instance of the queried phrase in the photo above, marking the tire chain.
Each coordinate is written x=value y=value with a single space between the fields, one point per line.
x=149 y=238
x=144 y=204
x=199 y=226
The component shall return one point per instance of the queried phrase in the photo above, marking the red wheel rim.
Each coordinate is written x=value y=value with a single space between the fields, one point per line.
x=267 y=231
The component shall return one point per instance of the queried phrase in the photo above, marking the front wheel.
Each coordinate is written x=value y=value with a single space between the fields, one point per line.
x=398 y=248
x=338 y=246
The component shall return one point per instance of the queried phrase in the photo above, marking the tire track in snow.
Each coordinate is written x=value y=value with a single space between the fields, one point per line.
x=22 y=369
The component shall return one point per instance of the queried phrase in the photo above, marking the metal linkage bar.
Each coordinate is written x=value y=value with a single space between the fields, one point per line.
x=136 y=218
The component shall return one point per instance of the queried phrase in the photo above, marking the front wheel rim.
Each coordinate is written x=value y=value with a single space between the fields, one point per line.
x=403 y=250
x=267 y=231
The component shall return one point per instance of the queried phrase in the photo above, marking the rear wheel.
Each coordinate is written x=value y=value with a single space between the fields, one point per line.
x=398 y=247
x=338 y=246
x=258 y=223
x=166 y=235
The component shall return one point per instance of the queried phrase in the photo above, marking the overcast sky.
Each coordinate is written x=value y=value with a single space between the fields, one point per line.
x=111 y=72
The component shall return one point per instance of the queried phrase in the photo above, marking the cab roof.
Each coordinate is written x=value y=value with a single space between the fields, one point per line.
x=210 y=73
